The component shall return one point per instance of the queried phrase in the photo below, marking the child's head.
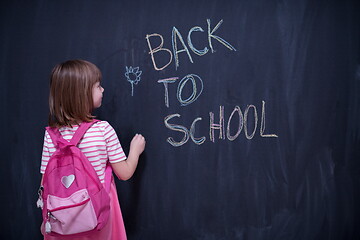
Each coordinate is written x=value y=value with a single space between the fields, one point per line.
x=71 y=98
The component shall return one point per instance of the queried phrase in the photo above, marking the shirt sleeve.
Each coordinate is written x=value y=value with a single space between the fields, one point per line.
x=45 y=153
x=113 y=146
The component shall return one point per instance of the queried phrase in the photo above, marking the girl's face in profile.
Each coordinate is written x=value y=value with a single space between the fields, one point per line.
x=97 y=94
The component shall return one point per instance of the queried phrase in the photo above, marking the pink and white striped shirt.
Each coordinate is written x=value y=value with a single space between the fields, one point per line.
x=99 y=144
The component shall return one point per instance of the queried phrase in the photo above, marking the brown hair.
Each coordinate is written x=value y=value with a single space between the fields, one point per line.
x=70 y=99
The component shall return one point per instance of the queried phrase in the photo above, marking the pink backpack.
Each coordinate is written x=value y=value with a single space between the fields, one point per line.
x=75 y=202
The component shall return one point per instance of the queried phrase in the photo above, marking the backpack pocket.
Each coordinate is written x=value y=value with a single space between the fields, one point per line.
x=71 y=215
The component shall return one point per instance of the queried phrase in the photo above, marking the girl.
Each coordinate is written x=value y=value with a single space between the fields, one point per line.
x=75 y=91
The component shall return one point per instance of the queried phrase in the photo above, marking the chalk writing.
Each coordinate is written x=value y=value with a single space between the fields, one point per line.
x=247 y=120
x=211 y=35
x=165 y=82
x=241 y=124
x=157 y=49
x=196 y=51
x=133 y=76
x=177 y=35
x=197 y=141
x=177 y=128
x=262 y=125
x=220 y=126
x=187 y=133
x=195 y=91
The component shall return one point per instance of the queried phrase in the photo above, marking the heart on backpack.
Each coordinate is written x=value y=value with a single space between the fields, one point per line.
x=68 y=180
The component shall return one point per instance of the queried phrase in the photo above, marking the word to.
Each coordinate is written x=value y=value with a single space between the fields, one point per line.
x=195 y=92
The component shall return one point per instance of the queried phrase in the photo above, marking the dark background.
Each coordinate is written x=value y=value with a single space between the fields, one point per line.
x=301 y=58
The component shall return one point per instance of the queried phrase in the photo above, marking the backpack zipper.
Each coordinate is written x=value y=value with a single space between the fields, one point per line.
x=70 y=206
x=50 y=215
x=47 y=224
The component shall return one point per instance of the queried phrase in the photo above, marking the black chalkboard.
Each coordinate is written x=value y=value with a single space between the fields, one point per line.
x=250 y=110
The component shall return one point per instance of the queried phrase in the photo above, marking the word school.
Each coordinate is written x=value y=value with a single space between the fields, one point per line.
x=243 y=119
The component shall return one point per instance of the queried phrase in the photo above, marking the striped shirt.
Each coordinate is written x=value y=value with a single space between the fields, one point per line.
x=99 y=144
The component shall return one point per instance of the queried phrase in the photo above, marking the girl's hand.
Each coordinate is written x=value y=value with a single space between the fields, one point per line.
x=137 y=145
x=125 y=169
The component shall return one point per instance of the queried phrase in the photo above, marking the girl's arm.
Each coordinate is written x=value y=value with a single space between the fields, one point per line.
x=125 y=169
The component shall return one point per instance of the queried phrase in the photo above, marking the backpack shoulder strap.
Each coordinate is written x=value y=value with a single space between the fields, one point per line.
x=54 y=134
x=81 y=131
x=75 y=140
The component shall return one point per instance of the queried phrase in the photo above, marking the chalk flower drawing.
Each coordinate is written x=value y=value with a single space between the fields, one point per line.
x=133 y=76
